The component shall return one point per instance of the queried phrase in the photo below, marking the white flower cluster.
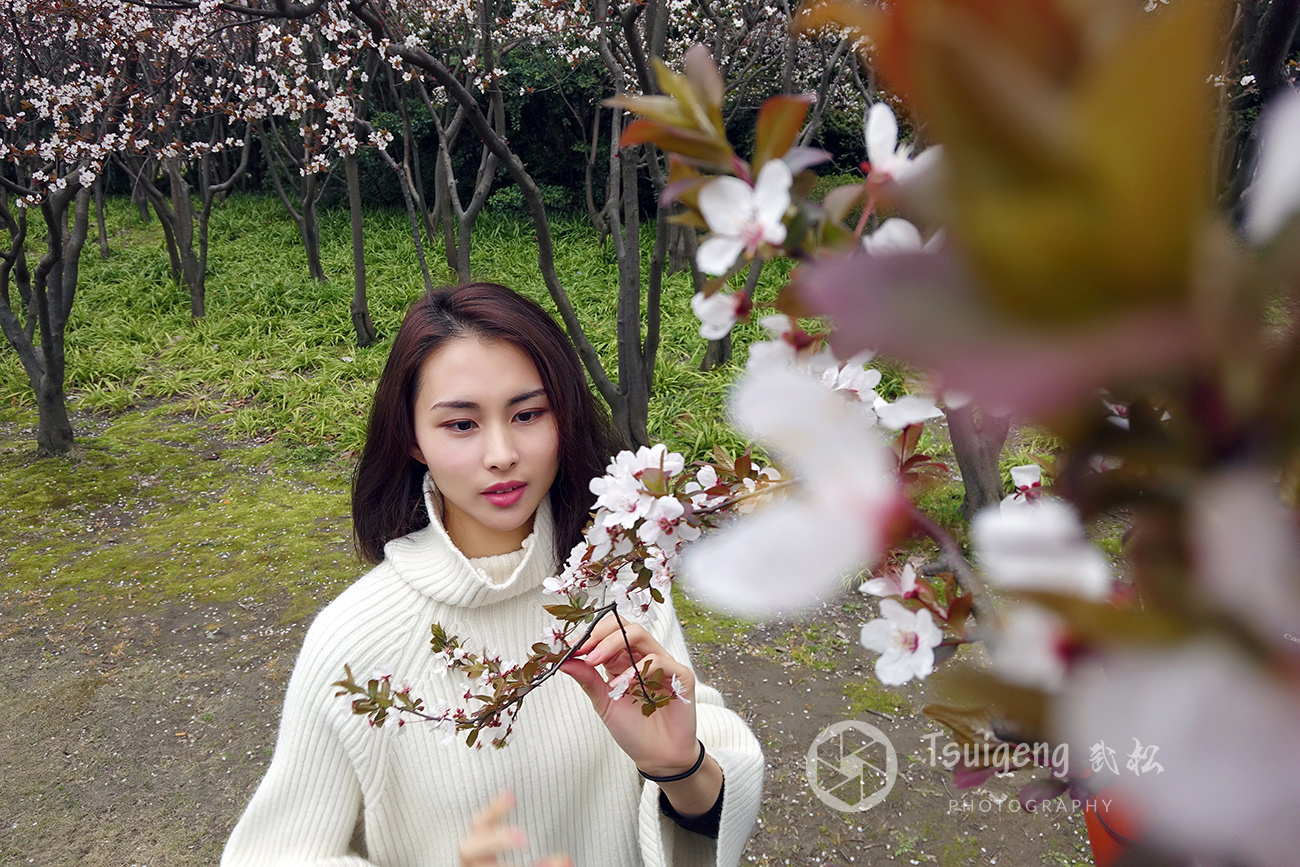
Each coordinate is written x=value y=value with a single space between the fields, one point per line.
x=631 y=517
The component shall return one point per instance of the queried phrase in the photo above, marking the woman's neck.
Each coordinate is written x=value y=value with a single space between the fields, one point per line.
x=474 y=540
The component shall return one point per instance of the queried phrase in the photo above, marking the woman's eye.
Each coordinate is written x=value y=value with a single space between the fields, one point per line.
x=530 y=415
x=461 y=426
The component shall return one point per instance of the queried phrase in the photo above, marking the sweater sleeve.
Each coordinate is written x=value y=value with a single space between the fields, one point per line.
x=306 y=807
x=729 y=740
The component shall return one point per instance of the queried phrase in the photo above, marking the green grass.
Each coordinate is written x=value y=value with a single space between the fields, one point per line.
x=275 y=356
x=868 y=695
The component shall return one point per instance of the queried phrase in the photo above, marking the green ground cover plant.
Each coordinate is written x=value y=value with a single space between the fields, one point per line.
x=275 y=357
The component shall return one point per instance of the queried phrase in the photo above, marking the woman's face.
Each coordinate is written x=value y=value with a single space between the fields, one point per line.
x=485 y=429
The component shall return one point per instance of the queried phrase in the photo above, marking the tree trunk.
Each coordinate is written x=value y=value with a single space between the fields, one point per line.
x=360 y=307
x=141 y=201
x=442 y=204
x=99 y=215
x=977 y=440
x=309 y=228
x=632 y=381
x=169 y=235
x=182 y=219
x=54 y=434
x=53 y=289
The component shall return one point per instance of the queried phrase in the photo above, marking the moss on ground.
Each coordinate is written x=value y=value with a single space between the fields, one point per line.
x=152 y=509
x=703 y=626
x=868 y=695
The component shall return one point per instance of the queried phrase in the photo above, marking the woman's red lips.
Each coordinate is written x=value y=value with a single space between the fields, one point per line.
x=505 y=494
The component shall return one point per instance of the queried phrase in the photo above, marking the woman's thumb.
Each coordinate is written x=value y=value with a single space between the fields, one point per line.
x=587 y=677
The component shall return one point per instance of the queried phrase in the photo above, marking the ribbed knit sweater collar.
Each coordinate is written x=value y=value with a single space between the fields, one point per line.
x=432 y=564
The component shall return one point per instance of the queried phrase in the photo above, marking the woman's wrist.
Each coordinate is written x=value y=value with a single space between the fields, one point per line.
x=696 y=794
x=672 y=776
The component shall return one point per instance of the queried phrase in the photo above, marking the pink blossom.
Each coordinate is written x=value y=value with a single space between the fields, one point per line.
x=1221 y=731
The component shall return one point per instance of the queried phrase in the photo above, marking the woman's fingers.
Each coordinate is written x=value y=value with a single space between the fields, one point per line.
x=493 y=811
x=487 y=837
x=480 y=848
x=606 y=644
x=609 y=626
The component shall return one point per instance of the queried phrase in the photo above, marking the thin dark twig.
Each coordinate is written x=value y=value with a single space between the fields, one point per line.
x=626 y=643
x=981 y=604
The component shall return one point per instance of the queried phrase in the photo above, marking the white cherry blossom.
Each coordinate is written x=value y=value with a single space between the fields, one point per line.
x=1028 y=480
x=907 y=410
x=897 y=235
x=891 y=161
x=892 y=583
x=741 y=217
x=905 y=641
x=716 y=312
x=786 y=554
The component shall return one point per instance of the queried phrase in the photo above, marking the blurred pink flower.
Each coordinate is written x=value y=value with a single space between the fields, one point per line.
x=1246 y=552
x=1274 y=197
x=787 y=554
x=1224 y=734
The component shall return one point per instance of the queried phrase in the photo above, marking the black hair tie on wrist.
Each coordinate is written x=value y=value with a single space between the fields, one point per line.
x=683 y=775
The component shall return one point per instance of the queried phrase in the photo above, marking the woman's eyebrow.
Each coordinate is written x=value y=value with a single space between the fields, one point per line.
x=527 y=395
x=469 y=404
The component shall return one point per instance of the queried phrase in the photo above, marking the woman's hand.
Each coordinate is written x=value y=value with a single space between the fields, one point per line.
x=488 y=837
x=662 y=743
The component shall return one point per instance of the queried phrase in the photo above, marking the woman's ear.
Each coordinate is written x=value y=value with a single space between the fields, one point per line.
x=417 y=454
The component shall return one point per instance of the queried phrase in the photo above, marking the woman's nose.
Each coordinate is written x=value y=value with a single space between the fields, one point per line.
x=501 y=452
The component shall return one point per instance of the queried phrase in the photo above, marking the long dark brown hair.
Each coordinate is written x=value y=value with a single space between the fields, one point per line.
x=387 y=493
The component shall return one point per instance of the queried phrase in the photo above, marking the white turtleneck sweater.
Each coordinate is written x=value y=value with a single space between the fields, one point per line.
x=576 y=791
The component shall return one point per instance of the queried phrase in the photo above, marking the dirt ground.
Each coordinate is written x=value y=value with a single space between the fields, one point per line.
x=138 y=743
x=137 y=737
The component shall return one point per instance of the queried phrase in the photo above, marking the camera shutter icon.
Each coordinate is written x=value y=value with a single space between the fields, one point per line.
x=851 y=766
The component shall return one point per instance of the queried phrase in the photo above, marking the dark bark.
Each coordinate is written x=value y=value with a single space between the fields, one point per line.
x=1270 y=46
x=99 y=216
x=284 y=165
x=310 y=226
x=977 y=440
x=141 y=202
x=46 y=297
x=365 y=329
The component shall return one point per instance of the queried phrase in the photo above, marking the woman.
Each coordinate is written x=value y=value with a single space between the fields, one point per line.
x=471 y=489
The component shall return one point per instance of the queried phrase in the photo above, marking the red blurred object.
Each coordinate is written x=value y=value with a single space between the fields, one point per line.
x=1114 y=820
